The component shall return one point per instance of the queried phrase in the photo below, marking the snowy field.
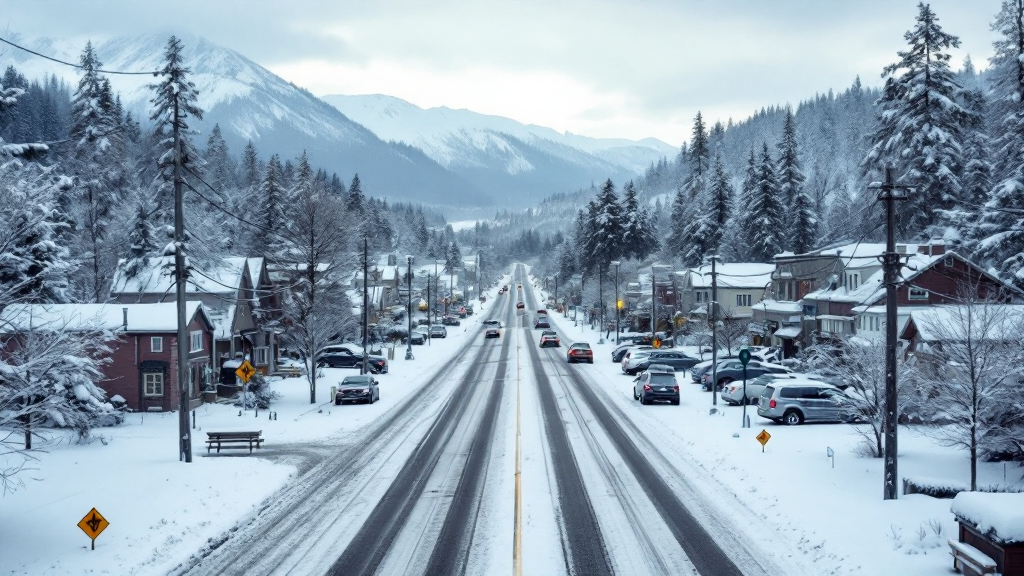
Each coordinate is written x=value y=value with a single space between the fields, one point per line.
x=790 y=498
x=160 y=510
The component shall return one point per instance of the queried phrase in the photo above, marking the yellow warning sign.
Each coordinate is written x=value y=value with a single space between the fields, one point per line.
x=763 y=438
x=245 y=371
x=93 y=524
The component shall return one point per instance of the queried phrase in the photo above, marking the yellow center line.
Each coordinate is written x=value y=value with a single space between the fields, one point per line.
x=517 y=533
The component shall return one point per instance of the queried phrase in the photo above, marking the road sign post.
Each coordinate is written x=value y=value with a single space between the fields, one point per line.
x=245 y=372
x=93 y=524
x=763 y=438
x=744 y=358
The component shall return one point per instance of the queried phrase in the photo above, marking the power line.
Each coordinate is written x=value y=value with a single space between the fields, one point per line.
x=78 y=66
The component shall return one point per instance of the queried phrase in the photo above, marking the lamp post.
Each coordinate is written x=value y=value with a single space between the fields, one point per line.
x=429 y=280
x=618 y=303
x=408 y=314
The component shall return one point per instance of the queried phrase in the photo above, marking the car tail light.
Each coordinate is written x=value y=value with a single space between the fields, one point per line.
x=772 y=403
x=675 y=388
x=647 y=387
x=732 y=389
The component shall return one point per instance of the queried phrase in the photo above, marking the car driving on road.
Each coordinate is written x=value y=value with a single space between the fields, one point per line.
x=362 y=388
x=438 y=331
x=520 y=305
x=657 y=384
x=580 y=352
x=549 y=338
x=541 y=322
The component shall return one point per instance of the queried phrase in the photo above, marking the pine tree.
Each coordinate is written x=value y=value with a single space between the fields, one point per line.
x=719 y=209
x=977 y=176
x=1001 y=230
x=220 y=166
x=766 y=209
x=175 y=102
x=252 y=172
x=606 y=224
x=745 y=217
x=271 y=204
x=142 y=242
x=920 y=127
x=802 y=219
x=356 y=199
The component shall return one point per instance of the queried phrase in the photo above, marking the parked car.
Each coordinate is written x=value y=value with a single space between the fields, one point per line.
x=698 y=371
x=635 y=350
x=344 y=358
x=797 y=401
x=675 y=360
x=362 y=388
x=417 y=337
x=631 y=362
x=542 y=311
x=541 y=322
x=550 y=338
x=450 y=320
x=438 y=331
x=622 y=349
x=520 y=305
x=423 y=321
x=730 y=370
x=732 y=392
x=656 y=384
x=580 y=352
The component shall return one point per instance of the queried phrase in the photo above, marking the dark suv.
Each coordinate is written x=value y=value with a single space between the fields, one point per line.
x=672 y=358
x=347 y=359
x=658 y=383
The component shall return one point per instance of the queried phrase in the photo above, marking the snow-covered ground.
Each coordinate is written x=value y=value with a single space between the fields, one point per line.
x=830 y=518
x=161 y=510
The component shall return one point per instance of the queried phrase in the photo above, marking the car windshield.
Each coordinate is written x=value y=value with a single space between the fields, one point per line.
x=663 y=379
x=356 y=381
x=581 y=346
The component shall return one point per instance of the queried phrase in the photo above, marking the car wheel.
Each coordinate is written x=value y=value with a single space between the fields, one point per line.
x=792 y=418
x=337 y=402
x=644 y=400
x=635 y=397
x=675 y=401
x=590 y=361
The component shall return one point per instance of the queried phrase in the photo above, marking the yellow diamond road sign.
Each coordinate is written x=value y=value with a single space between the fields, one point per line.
x=763 y=438
x=245 y=371
x=93 y=524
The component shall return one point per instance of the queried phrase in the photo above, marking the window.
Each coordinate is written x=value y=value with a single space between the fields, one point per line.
x=156 y=344
x=743 y=299
x=153 y=383
x=918 y=294
x=700 y=297
x=197 y=341
x=261 y=356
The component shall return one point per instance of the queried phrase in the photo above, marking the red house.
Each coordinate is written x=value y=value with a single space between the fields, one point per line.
x=143 y=338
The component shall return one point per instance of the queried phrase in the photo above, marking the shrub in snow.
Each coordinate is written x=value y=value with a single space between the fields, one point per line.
x=257 y=394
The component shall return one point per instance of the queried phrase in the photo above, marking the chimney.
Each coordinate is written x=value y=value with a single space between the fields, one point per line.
x=124 y=323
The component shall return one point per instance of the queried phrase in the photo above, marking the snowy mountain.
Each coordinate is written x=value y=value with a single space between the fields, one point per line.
x=499 y=153
x=251 y=103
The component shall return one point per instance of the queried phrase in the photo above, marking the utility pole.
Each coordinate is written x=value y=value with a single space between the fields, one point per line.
x=617 y=303
x=180 y=276
x=429 y=323
x=408 y=336
x=364 y=367
x=889 y=192
x=714 y=332
x=654 y=306
x=600 y=299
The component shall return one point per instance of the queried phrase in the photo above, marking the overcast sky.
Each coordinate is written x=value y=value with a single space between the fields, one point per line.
x=605 y=68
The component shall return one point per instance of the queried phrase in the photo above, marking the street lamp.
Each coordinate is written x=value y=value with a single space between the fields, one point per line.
x=618 y=303
x=408 y=314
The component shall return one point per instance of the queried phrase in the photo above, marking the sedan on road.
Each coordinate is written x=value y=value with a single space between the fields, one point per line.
x=438 y=331
x=550 y=338
x=361 y=388
x=657 y=384
x=492 y=332
x=520 y=305
x=580 y=352
x=417 y=337
x=541 y=322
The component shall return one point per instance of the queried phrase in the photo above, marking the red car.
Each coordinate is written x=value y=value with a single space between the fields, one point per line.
x=520 y=305
x=580 y=352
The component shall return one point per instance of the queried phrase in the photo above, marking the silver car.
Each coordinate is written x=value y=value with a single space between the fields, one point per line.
x=797 y=401
x=732 y=393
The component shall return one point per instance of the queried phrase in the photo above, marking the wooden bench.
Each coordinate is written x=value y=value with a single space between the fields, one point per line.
x=970 y=560
x=233 y=440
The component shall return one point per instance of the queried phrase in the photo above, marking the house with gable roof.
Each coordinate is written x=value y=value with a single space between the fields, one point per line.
x=143 y=338
x=740 y=286
x=237 y=294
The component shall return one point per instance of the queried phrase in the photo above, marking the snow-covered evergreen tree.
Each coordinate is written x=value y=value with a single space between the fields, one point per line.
x=142 y=243
x=356 y=198
x=606 y=226
x=220 y=166
x=800 y=215
x=920 y=128
x=719 y=209
x=34 y=265
x=745 y=217
x=176 y=101
x=1001 y=229
x=768 y=226
x=270 y=208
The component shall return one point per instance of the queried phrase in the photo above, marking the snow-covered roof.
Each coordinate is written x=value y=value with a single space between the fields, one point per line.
x=161 y=317
x=871 y=290
x=788 y=331
x=733 y=275
x=222 y=321
x=158 y=278
x=999 y=516
x=784 y=306
x=948 y=322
